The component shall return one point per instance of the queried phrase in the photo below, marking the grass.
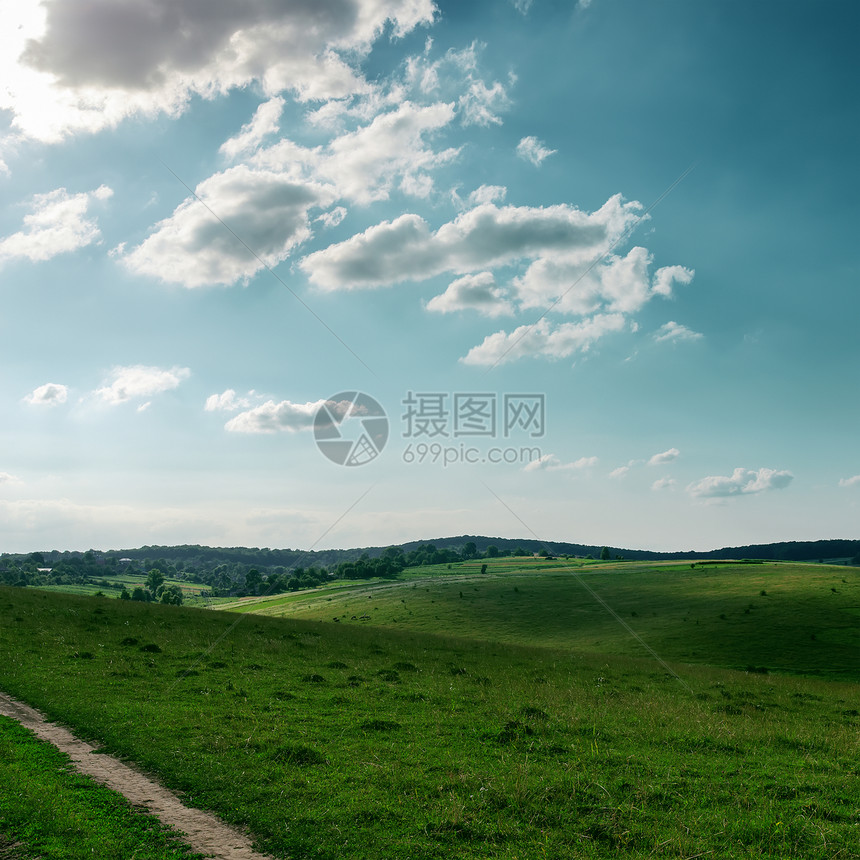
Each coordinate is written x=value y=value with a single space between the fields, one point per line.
x=57 y=813
x=338 y=740
x=784 y=617
x=193 y=593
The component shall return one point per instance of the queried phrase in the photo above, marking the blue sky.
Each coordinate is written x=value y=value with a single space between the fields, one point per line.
x=212 y=225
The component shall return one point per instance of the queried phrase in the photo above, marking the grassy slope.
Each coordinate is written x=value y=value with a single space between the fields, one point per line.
x=193 y=593
x=807 y=621
x=333 y=740
x=57 y=813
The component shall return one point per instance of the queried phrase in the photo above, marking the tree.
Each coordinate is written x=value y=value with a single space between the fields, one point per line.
x=141 y=595
x=172 y=594
x=470 y=550
x=253 y=579
x=154 y=579
x=124 y=595
x=604 y=554
x=492 y=551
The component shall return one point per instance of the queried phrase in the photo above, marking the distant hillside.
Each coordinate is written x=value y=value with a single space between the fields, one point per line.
x=242 y=571
x=192 y=556
x=820 y=550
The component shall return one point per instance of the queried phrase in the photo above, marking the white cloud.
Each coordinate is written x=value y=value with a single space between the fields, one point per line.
x=455 y=77
x=267 y=210
x=673 y=333
x=264 y=122
x=226 y=402
x=668 y=276
x=271 y=417
x=533 y=150
x=570 y=271
x=366 y=164
x=664 y=457
x=486 y=236
x=4 y=168
x=620 y=472
x=49 y=394
x=663 y=484
x=139 y=381
x=56 y=225
x=543 y=340
x=741 y=482
x=482 y=104
x=332 y=218
x=6 y=478
x=575 y=283
x=86 y=66
x=551 y=463
x=522 y=6
x=850 y=482
x=487 y=194
x=472 y=292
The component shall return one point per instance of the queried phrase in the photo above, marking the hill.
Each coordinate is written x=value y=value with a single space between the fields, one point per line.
x=340 y=741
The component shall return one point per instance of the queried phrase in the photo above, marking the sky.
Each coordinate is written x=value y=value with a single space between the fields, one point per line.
x=337 y=273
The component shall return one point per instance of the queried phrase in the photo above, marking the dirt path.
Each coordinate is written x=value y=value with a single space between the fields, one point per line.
x=203 y=832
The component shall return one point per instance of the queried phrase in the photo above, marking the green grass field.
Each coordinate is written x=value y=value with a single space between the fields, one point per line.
x=784 y=617
x=339 y=740
x=194 y=594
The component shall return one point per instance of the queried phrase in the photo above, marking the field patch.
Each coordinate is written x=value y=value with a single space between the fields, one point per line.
x=781 y=617
x=432 y=746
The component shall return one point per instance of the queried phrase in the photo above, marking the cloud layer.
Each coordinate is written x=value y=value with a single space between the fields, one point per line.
x=569 y=269
x=266 y=214
x=272 y=417
x=139 y=381
x=406 y=249
x=49 y=394
x=56 y=225
x=87 y=66
x=533 y=150
x=742 y=482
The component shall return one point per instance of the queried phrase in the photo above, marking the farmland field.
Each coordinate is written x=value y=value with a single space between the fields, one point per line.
x=514 y=721
x=193 y=593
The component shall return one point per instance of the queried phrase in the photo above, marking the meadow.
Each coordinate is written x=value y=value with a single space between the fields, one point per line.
x=783 y=617
x=473 y=728
x=194 y=594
